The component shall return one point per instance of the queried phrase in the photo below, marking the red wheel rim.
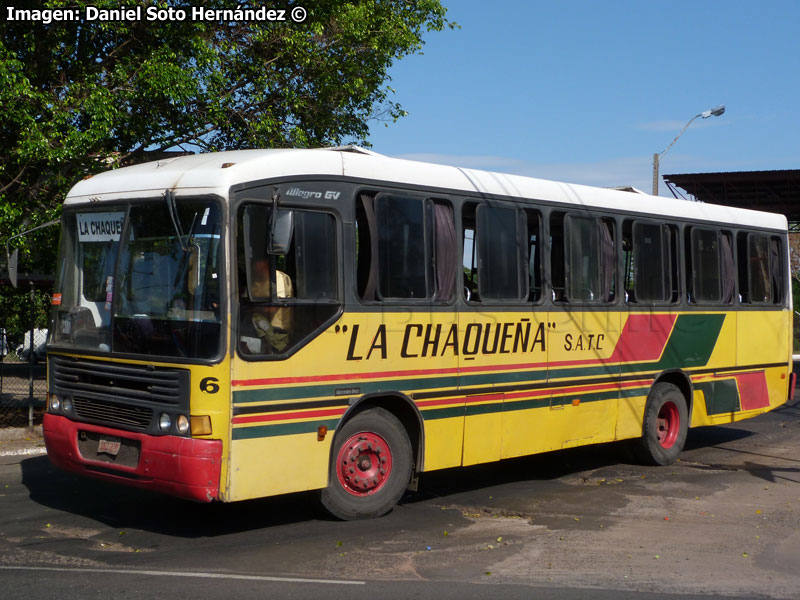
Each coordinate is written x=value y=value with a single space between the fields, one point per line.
x=364 y=463
x=669 y=423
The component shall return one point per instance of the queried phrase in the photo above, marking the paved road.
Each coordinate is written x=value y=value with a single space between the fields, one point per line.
x=584 y=523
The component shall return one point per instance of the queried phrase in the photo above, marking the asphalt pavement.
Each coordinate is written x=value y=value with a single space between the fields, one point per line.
x=723 y=522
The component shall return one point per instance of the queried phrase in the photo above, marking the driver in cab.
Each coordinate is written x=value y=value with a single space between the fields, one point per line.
x=272 y=324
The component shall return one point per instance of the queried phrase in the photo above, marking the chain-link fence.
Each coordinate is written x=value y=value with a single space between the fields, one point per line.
x=23 y=370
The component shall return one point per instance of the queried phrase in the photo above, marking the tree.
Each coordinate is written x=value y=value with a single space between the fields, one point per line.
x=79 y=97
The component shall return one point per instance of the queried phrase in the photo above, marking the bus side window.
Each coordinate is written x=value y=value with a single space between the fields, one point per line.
x=404 y=226
x=406 y=248
x=558 y=283
x=285 y=298
x=743 y=240
x=728 y=275
x=760 y=274
x=675 y=279
x=501 y=255
x=709 y=266
x=469 y=255
x=649 y=262
x=534 y=236
x=590 y=259
x=777 y=278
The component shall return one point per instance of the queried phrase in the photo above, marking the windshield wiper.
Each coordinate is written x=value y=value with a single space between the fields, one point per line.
x=169 y=196
x=189 y=248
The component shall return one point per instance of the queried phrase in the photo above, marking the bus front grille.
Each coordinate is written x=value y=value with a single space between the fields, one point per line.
x=128 y=396
x=120 y=382
x=113 y=413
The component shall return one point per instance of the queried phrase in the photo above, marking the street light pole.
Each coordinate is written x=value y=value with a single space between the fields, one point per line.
x=655 y=174
x=712 y=112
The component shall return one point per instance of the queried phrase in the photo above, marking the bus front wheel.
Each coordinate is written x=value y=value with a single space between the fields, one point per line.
x=370 y=466
x=665 y=425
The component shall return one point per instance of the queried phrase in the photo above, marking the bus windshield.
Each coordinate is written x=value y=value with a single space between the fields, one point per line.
x=133 y=280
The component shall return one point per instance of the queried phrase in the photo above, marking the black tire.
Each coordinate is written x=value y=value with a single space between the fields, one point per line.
x=370 y=466
x=665 y=425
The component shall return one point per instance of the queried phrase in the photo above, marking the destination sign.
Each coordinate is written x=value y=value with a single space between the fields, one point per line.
x=100 y=227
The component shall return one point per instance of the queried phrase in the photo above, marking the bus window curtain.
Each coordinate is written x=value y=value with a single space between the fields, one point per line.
x=728 y=280
x=446 y=251
x=606 y=261
x=370 y=289
x=776 y=275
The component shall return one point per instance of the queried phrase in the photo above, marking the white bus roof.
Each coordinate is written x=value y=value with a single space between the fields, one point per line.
x=215 y=173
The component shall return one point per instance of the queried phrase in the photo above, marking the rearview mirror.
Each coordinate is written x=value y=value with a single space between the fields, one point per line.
x=281 y=228
x=13 y=258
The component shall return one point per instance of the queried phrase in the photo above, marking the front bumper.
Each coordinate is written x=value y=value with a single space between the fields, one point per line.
x=183 y=467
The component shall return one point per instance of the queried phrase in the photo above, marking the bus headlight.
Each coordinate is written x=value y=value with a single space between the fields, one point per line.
x=54 y=403
x=183 y=424
x=67 y=405
x=164 y=421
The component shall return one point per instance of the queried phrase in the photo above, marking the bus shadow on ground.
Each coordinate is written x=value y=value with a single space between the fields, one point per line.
x=705 y=437
x=607 y=460
x=122 y=507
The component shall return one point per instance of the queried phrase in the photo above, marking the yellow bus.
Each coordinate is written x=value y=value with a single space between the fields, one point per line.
x=244 y=324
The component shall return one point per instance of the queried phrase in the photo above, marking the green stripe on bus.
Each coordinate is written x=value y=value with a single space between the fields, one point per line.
x=262 y=431
x=692 y=341
x=430 y=414
x=533 y=403
x=720 y=396
x=327 y=390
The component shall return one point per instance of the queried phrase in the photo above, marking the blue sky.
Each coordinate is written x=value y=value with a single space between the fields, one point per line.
x=587 y=91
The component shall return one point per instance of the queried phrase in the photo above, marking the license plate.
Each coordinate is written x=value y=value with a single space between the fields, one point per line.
x=109 y=445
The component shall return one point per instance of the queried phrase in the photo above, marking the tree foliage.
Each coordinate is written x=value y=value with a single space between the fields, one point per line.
x=81 y=97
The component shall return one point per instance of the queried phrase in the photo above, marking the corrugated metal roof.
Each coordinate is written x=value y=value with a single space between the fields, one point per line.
x=773 y=191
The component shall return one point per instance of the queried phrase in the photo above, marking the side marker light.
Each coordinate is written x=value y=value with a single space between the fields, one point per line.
x=201 y=425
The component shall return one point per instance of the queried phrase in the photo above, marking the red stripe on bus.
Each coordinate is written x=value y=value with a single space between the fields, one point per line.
x=643 y=338
x=753 y=391
x=290 y=416
x=376 y=375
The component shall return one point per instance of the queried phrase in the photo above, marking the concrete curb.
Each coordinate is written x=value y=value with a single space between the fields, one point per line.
x=22 y=441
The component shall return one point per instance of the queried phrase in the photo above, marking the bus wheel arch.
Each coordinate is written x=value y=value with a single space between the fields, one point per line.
x=683 y=382
x=402 y=407
x=666 y=420
x=375 y=454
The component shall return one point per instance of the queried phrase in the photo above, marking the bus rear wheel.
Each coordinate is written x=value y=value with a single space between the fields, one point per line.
x=370 y=466
x=665 y=425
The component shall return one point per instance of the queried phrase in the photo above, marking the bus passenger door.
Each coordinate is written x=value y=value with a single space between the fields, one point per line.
x=583 y=331
x=480 y=376
x=525 y=405
x=583 y=378
x=503 y=363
